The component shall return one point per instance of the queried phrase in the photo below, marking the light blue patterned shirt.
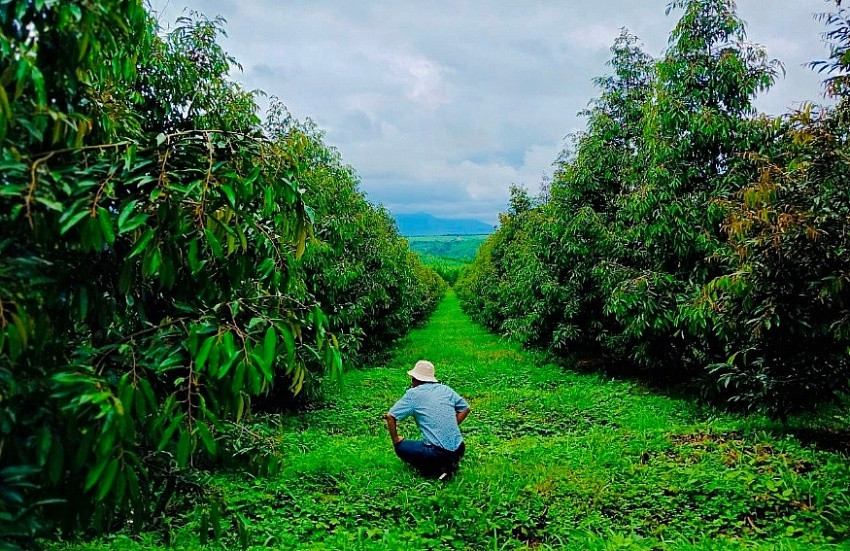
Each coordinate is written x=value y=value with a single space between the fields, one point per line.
x=434 y=406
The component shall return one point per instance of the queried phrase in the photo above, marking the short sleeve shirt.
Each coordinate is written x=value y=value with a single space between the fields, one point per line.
x=434 y=406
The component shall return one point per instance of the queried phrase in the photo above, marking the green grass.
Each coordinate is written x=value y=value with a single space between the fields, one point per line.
x=454 y=247
x=555 y=459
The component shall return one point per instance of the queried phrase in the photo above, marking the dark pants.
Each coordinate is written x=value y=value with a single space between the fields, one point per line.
x=427 y=459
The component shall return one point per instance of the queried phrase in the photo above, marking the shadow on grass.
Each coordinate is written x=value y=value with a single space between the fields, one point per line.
x=813 y=429
x=826 y=439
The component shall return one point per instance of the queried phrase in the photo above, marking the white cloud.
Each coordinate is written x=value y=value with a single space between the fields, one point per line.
x=442 y=105
x=595 y=36
x=423 y=79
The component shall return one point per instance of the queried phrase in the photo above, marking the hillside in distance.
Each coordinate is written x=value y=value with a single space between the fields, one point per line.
x=426 y=224
x=457 y=248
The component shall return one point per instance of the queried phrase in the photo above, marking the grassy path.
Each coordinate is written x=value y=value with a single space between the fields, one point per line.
x=555 y=459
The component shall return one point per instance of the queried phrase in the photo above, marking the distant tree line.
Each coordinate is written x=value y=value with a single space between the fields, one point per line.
x=685 y=235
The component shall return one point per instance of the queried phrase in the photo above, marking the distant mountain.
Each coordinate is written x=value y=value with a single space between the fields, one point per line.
x=425 y=224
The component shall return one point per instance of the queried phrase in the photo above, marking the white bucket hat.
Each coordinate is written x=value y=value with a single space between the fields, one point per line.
x=423 y=371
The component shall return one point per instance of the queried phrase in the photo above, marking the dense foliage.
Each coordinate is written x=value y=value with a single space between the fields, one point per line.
x=152 y=273
x=364 y=276
x=449 y=269
x=686 y=235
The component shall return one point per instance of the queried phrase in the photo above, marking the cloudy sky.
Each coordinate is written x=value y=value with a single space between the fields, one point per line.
x=441 y=105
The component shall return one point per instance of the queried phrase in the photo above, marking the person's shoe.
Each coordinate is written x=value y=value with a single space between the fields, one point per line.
x=443 y=477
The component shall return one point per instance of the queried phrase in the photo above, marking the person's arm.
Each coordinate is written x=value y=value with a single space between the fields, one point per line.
x=461 y=408
x=392 y=427
x=461 y=415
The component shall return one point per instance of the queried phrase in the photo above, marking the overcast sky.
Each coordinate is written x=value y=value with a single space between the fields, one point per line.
x=441 y=105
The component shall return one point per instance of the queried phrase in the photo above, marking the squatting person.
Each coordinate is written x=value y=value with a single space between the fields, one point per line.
x=438 y=411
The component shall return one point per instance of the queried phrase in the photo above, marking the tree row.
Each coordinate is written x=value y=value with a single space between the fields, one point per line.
x=686 y=237
x=168 y=263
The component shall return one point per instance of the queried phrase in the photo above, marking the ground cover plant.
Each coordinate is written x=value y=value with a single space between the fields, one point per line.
x=556 y=459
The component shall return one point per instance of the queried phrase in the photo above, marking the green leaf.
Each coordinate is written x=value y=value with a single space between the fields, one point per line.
x=228 y=191
x=20 y=326
x=106 y=225
x=229 y=360
x=38 y=84
x=126 y=398
x=214 y=243
x=107 y=479
x=73 y=221
x=298 y=381
x=91 y=236
x=337 y=367
x=6 y=115
x=266 y=266
x=132 y=482
x=238 y=379
x=142 y=243
x=206 y=437
x=125 y=215
x=184 y=449
x=241 y=527
x=269 y=345
x=192 y=257
x=130 y=156
x=151 y=261
x=204 y=352
x=169 y=432
x=242 y=239
x=253 y=175
x=76 y=12
x=49 y=203
x=301 y=241
x=95 y=472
